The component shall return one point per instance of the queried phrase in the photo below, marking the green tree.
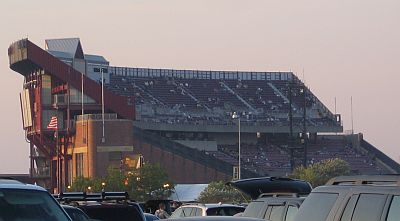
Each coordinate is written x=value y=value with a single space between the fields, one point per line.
x=115 y=180
x=319 y=173
x=217 y=192
x=83 y=184
x=147 y=182
x=150 y=182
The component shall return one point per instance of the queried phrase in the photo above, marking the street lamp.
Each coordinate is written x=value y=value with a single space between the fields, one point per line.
x=236 y=116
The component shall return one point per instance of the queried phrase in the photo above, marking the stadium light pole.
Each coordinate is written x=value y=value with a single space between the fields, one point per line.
x=236 y=116
x=103 y=139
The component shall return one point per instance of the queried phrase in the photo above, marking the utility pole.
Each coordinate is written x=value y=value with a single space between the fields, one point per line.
x=291 y=127
x=305 y=126
x=103 y=138
x=352 y=121
x=237 y=116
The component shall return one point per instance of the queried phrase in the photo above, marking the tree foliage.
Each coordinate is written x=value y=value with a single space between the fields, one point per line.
x=319 y=173
x=217 y=192
x=148 y=182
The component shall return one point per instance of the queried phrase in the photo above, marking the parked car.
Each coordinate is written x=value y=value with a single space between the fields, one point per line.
x=105 y=206
x=354 y=198
x=199 y=209
x=274 y=198
x=216 y=218
x=151 y=206
x=77 y=214
x=20 y=201
x=150 y=217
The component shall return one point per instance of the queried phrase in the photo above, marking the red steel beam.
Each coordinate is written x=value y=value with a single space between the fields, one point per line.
x=59 y=69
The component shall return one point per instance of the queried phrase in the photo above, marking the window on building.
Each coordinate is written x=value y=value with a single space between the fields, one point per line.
x=79 y=164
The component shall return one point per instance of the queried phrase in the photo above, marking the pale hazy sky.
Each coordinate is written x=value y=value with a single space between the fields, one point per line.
x=346 y=48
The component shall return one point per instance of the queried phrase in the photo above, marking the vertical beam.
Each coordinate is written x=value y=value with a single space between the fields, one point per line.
x=32 y=164
x=291 y=127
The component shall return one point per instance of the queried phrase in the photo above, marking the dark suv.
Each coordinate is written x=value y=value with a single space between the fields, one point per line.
x=20 y=201
x=354 y=198
x=105 y=206
x=274 y=198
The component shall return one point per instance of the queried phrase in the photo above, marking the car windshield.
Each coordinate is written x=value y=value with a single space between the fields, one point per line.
x=28 y=205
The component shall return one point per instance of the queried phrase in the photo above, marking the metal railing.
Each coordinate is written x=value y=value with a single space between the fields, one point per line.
x=62 y=99
x=108 y=116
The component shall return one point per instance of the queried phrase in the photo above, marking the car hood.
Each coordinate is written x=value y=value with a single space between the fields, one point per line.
x=256 y=186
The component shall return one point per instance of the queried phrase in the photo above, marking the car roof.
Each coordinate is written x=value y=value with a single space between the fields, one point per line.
x=389 y=179
x=216 y=205
x=362 y=183
x=218 y=218
x=357 y=189
x=6 y=183
x=211 y=205
x=107 y=204
x=256 y=186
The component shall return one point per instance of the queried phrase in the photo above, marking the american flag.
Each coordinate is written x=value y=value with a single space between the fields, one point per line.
x=53 y=124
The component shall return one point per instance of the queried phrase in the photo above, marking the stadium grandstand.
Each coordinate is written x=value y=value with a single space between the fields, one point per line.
x=188 y=121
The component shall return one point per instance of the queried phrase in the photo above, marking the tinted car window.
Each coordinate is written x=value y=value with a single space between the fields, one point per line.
x=215 y=212
x=394 y=211
x=319 y=203
x=291 y=213
x=230 y=211
x=29 y=205
x=276 y=213
x=348 y=211
x=369 y=207
x=224 y=211
x=253 y=209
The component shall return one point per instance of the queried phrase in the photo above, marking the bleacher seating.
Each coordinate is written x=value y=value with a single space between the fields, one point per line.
x=273 y=159
x=261 y=102
x=202 y=100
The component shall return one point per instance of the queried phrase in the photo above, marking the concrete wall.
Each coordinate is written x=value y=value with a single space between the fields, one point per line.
x=200 y=145
x=232 y=138
x=98 y=156
x=232 y=128
x=179 y=169
x=119 y=139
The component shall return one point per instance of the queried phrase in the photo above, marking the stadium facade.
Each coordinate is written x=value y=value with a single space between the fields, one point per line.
x=182 y=119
